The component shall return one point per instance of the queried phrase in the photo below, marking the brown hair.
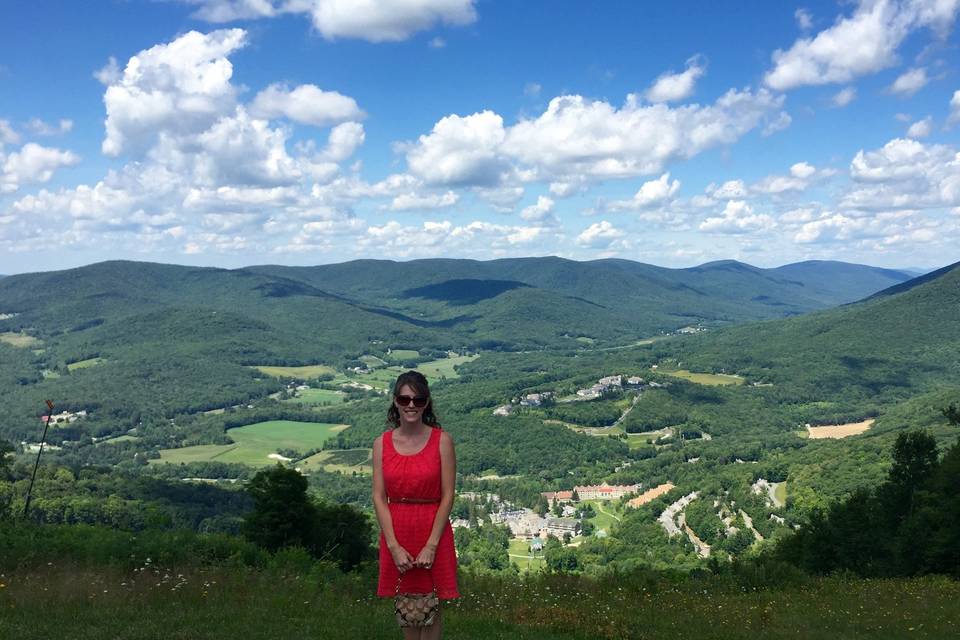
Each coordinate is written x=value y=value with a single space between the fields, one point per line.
x=418 y=382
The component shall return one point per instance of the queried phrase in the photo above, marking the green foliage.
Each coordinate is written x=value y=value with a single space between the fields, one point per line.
x=906 y=526
x=284 y=516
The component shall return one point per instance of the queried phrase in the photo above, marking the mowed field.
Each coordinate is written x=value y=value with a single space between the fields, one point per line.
x=712 y=379
x=20 y=340
x=318 y=397
x=436 y=369
x=83 y=364
x=839 y=430
x=254 y=443
x=300 y=373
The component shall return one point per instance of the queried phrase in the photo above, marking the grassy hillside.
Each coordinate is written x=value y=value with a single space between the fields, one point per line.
x=902 y=339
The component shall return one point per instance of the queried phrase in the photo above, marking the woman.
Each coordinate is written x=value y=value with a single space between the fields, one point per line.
x=414 y=470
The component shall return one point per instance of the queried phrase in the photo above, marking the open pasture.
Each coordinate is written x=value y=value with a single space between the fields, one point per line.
x=839 y=430
x=254 y=443
x=443 y=368
x=83 y=364
x=300 y=373
x=711 y=379
x=19 y=340
x=318 y=397
x=399 y=355
x=372 y=362
x=338 y=460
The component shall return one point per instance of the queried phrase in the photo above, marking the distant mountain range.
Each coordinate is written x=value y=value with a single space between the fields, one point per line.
x=331 y=310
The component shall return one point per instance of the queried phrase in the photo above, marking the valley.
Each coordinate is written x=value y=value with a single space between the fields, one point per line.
x=727 y=437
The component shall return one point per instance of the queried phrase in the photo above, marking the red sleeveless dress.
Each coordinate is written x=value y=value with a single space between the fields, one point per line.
x=416 y=476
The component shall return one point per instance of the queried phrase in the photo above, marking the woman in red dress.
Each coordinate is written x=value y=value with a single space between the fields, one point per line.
x=414 y=470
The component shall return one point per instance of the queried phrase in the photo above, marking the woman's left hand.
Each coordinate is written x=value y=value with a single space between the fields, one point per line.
x=425 y=557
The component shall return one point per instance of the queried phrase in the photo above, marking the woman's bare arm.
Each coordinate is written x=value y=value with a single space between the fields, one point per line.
x=448 y=479
x=380 y=496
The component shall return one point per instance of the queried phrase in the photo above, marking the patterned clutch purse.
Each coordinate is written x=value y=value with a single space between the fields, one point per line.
x=416 y=609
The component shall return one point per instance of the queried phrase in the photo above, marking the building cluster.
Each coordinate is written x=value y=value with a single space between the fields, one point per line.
x=609 y=383
x=65 y=417
x=650 y=495
x=602 y=491
x=523 y=523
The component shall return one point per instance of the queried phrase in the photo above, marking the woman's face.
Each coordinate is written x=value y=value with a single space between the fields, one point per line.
x=409 y=412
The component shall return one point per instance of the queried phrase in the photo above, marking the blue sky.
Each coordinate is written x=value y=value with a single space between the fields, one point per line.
x=237 y=132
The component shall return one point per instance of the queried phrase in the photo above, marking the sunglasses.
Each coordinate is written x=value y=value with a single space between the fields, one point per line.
x=404 y=401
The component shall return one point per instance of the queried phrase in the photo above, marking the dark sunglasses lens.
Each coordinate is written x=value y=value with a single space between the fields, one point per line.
x=404 y=401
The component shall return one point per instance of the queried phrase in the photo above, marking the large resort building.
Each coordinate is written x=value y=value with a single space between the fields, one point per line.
x=592 y=492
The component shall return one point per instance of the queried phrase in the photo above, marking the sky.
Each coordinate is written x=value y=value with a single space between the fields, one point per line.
x=238 y=132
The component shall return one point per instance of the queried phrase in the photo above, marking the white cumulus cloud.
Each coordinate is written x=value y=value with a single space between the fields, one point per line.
x=600 y=235
x=909 y=82
x=671 y=87
x=650 y=194
x=738 y=218
x=844 y=97
x=860 y=44
x=307 y=104
x=955 y=107
x=183 y=87
x=32 y=164
x=920 y=128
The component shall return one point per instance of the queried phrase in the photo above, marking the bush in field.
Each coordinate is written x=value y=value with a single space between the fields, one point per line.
x=285 y=516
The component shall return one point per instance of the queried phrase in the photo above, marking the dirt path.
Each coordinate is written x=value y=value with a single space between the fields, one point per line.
x=703 y=549
x=749 y=521
x=603 y=511
x=636 y=399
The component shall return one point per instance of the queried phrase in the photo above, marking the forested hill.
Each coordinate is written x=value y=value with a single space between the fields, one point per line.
x=904 y=338
x=717 y=291
x=515 y=303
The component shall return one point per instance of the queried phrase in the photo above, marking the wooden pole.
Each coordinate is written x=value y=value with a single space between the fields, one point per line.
x=43 y=439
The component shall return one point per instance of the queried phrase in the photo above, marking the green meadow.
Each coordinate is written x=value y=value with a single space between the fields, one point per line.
x=83 y=364
x=318 y=396
x=300 y=373
x=399 y=355
x=712 y=379
x=222 y=603
x=254 y=443
x=444 y=368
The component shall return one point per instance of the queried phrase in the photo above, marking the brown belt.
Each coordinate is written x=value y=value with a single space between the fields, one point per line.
x=413 y=500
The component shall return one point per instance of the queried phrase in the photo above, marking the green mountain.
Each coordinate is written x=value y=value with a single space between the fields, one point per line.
x=901 y=339
x=168 y=339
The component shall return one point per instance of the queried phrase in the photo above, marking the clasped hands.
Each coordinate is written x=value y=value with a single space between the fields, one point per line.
x=405 y=561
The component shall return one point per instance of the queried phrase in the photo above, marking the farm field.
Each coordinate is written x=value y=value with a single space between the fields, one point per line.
x=711 y=379
x=83 y=364
x=398 y=355
x=300 y=373
x=443 y=368
x=338 y=460
x=839 y=430
x=253 y=444
x=372 y=361
x=20 y=340
x=318 y=397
